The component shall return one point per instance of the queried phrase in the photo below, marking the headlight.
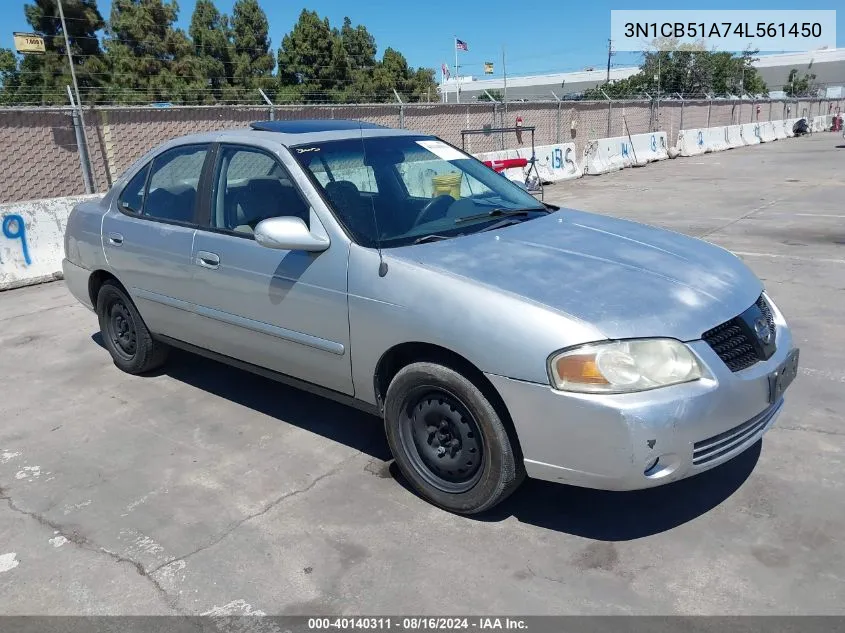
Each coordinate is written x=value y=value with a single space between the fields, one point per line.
x=624 y=366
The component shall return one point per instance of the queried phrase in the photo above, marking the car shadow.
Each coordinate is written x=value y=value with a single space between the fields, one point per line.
x=604 y=515
x=623 y=516
x=334 y=421
x=595 y=514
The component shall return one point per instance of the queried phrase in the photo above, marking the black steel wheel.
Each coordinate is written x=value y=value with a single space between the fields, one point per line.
x=125 y=334
x=120 y=329
x=442 y=438
x=450 y=443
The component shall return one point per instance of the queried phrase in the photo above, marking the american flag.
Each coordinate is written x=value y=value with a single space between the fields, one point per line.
x=461 y=45
x=445 y=70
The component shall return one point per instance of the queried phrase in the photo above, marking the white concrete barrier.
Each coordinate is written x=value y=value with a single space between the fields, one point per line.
x=554 y=162
x=767 y=132
x=610 y=154
x=788 y=124
x=822 y=123
x=779 y=129
x=696 y=141
x=750 y=133
x=32 y=240
x=733 y=136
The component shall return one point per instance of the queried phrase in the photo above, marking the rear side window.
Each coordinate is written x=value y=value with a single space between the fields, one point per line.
x=132 y=197
x=173 y=184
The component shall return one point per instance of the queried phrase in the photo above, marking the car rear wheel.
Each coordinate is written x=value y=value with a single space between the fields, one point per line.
x=125 y=334
x=448 y=440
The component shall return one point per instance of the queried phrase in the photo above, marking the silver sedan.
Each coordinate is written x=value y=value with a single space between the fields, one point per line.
x=496 y=336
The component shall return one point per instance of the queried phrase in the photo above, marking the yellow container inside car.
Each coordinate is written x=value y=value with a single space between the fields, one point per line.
x=449 y=184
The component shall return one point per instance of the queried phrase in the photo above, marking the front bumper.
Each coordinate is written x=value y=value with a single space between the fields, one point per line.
x=611 y=442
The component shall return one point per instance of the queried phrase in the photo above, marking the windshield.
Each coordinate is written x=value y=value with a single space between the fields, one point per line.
x=411 y=188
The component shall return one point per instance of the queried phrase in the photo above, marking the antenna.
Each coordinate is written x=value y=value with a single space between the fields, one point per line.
x=382 y=265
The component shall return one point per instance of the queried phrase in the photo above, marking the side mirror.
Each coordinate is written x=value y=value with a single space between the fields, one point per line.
x=289 y=234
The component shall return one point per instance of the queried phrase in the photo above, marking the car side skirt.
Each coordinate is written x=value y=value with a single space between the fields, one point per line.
x=290 y=381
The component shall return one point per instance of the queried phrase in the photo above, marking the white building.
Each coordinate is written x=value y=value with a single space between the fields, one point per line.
x=827 y=64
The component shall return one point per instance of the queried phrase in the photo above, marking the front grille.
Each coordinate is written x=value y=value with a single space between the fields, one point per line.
x=715 y=447
x=731 y=340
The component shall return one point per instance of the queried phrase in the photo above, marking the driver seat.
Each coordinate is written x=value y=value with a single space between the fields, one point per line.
x=353 y=209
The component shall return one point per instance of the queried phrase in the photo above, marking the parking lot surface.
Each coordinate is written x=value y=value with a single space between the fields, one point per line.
x=203 y=487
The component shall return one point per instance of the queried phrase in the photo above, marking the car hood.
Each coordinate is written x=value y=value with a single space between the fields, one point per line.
x=625 y=279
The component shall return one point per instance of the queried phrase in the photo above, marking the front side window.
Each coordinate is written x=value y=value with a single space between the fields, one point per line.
x=132 y=197
x=173 y=184
x=395 y=190
x=250 y=186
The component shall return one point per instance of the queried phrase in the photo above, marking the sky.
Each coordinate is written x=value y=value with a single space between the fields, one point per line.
x=537 y=37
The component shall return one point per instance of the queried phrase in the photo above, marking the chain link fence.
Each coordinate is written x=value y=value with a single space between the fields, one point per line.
x=40 y=158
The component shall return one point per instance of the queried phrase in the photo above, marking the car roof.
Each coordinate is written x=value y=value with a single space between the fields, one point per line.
x=296 y=132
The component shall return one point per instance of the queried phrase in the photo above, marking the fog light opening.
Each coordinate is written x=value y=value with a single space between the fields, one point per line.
x=662 y=466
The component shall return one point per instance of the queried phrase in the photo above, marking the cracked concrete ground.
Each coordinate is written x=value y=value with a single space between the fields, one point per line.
x=205 y=488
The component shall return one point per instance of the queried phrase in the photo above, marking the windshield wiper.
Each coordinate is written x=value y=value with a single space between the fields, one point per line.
x=496 y=213
x=429 y=238
x=501 y=224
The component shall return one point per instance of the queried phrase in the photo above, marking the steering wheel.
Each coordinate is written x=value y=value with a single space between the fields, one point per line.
x=443 y=200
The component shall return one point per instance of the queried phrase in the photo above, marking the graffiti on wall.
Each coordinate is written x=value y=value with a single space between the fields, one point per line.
x=14 y=228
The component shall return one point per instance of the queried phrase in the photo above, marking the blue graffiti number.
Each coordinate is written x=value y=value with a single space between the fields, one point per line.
x=653 y=143
x=700 y=138
x=624 y=149
x=557 y=158
x=15 y=229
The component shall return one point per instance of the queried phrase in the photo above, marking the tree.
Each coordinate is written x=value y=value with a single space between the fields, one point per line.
x=252 y=66
x=359 y=45
x=393 y=72
x=797 y=86
x=43 y=78
x=688 y=70
x=149 y=59
x=313 y=60
x=210 y=36
x=496 y=94
x=9 y=77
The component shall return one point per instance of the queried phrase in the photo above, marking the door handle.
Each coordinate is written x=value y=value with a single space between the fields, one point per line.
x=208 y=260
x=115 y=239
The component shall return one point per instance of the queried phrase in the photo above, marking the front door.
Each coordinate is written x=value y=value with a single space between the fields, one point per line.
x=283 y=310
x=147 y=238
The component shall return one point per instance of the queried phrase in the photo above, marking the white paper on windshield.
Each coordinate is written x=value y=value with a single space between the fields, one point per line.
x=441 y=150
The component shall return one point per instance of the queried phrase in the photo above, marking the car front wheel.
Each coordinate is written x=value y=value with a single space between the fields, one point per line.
x=448 y=440
x=125 y=334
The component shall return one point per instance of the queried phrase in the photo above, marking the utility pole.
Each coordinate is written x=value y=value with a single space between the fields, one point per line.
x=75 y=85
x=505 y=71
x=609 y=55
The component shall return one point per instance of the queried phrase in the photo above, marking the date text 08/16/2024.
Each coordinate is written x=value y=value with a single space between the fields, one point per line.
x=416 y=623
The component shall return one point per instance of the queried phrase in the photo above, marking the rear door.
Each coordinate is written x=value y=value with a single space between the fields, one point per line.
x=148 y=234
x=283 y=310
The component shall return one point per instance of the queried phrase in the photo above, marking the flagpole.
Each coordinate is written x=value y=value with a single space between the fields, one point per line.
x=457 y=74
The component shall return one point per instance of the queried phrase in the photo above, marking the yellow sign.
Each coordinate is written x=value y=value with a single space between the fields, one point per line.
x=29 y=43
x=488 y=68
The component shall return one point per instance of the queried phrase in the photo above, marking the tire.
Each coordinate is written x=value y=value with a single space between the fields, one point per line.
x=448 y=440
x=125 y=334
